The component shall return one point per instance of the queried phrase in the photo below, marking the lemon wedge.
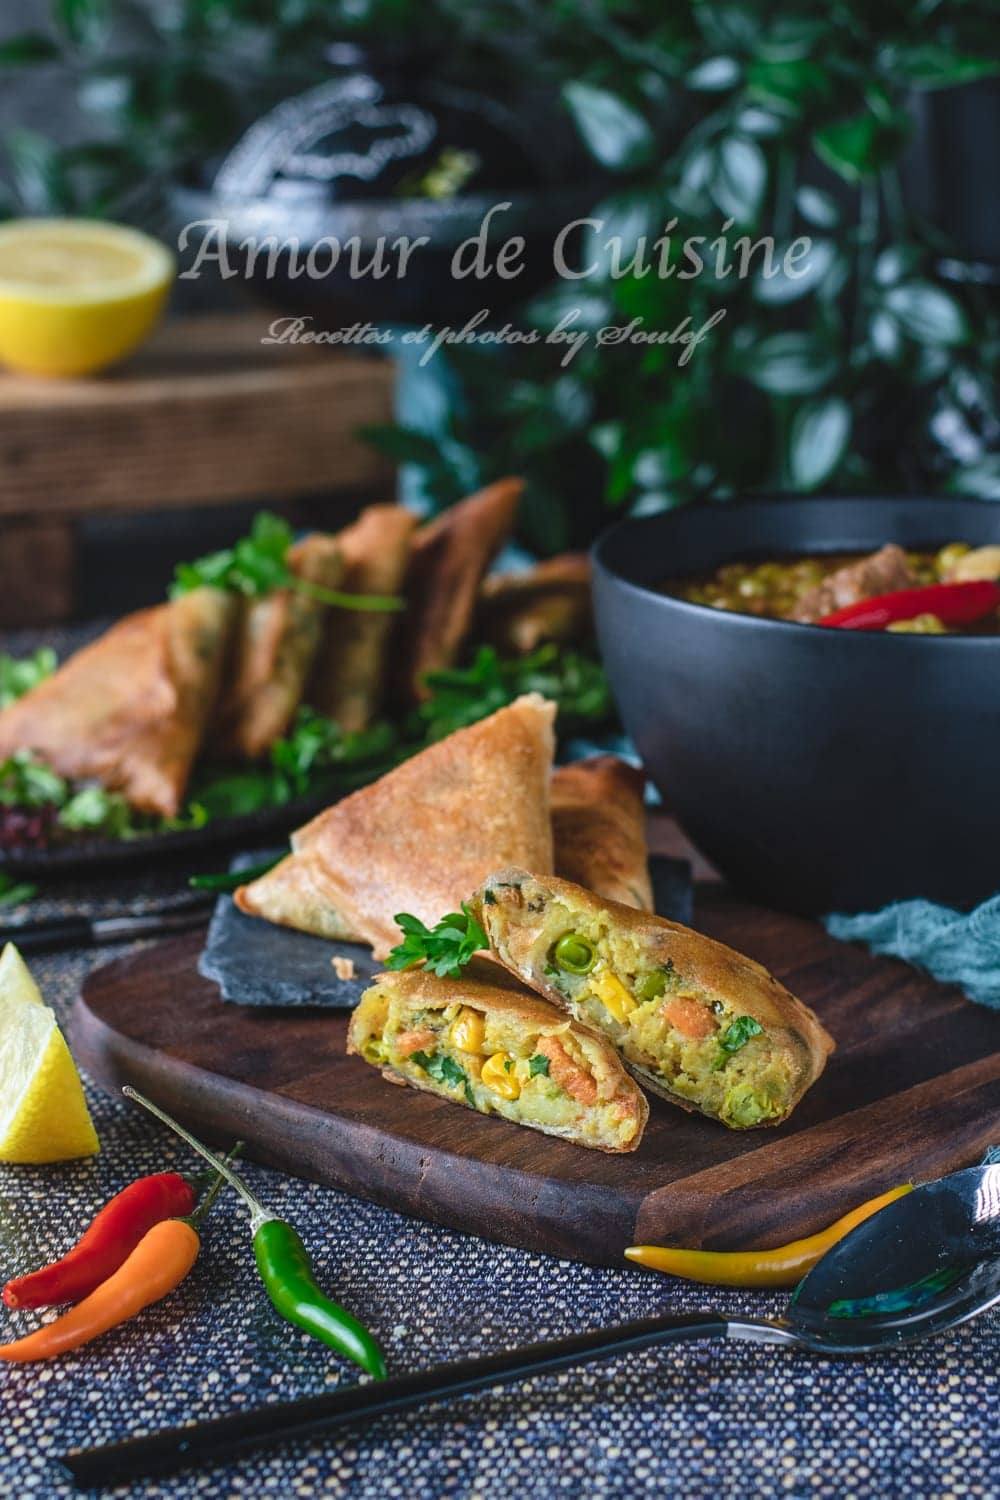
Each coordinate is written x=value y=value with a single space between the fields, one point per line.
x=43 y=1114
x=77 y=295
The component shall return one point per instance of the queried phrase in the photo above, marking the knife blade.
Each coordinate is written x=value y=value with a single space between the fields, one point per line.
x=53 y=934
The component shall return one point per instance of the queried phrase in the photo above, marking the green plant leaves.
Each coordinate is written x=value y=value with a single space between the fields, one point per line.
x=788 y=364
x=807 y=273
x=981 y=479
x=860 y=146
x=738 y=178
x=817 y=207
x=27 y=49
x=928 y=313
x=38 y=172
x=930 y=65
x=820 y=432
x=84 y=22
x=715 y=74
x=615 y=133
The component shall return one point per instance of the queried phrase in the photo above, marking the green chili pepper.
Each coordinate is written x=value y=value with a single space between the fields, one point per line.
x=285 y=1268
x=574 y=954
x=286 y=1272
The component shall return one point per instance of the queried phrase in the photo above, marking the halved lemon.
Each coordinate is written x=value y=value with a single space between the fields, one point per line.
x=77 y=295
x=43 y=1113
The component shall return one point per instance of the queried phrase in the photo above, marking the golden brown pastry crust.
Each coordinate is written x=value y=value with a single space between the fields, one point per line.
x=417 y=990
x=450 y=555
x=292 y=895
x=599 y=829
x=793 y=1027
x=348 y=678
x=277 y=643
x=517 y=612
x=425 y=835
x=130 y=710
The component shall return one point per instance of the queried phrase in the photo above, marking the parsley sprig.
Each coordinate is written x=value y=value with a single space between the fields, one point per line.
x=736 y=1035
x=446 y=948
x=462 y=695
x=258 y=563
x=18 y=675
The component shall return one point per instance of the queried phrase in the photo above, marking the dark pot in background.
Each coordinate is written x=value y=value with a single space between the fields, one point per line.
x=820 y=770
x=952 y=170
x=350 y=159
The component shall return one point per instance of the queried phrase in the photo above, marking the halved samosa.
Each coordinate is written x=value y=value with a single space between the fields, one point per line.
x=450 y=556
x=599 y=829
x=422 y=837
x=129 y=711
x=348 y=678
x=500 y=1052
x=695 y=1021
x=277 y=642
x=518 y=612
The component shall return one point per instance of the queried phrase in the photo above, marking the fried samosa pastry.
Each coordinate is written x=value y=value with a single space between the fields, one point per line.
x=349 y=675
x=694 y=1021
x=518 y=612
x=500 y=1052
x=129 y=711
x=599 y=829
x=278 y=638
x=422 y=837
x=450 y=556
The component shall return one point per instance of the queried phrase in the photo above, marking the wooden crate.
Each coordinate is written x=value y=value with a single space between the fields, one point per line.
x=206 y=414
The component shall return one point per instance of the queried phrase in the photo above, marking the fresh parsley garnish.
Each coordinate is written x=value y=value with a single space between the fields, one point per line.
x=13 y=892
x=26 y=781
x=735 y=1036
x=538 y=1064
x=445 y=948
x=18 y=675
x=441 y=1068
x=463 y=695
x=258 y=563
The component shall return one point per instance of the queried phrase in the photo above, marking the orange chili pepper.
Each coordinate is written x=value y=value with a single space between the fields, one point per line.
x=159 y=1263
x=784 y=1266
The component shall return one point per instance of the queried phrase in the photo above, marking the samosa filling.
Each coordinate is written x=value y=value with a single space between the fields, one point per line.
x=693 y=1042
x=557 y=1080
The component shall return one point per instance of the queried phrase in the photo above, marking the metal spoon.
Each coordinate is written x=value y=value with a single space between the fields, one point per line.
x=924 y=1264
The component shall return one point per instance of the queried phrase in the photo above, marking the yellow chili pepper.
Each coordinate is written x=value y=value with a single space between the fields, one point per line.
x=784 y=1266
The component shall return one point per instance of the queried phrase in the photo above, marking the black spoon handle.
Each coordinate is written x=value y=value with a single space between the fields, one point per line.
x=222 y=1438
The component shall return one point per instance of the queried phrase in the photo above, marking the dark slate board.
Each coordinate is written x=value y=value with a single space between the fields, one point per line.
x=257 y=963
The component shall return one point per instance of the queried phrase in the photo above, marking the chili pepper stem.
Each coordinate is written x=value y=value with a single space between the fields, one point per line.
x=258 y=1213
x=204 y=1208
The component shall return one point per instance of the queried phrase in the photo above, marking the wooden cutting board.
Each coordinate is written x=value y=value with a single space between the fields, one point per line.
x=912 y=1091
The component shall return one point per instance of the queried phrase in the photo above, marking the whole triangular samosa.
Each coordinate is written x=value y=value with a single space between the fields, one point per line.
x=450 y=555
x=277 y=640
x=422 y=837
x=599 y=829
x=349 y=674
x=129 y=710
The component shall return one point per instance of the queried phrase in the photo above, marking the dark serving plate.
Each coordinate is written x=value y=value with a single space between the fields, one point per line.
x=819 y=769
x=255 y=828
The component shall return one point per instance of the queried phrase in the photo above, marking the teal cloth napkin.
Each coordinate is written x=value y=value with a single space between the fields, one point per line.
x=956 y=947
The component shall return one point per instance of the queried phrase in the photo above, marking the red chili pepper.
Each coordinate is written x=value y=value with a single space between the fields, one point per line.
x=953 y=603
x=106 y=1245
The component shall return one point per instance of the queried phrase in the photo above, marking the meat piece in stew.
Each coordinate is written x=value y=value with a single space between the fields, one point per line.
x=883 y=572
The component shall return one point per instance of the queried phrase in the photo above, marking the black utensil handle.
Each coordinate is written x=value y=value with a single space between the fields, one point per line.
x=214 y=1441
x=50 y=935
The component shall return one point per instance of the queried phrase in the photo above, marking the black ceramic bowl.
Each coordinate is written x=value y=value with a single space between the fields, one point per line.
x=820 y=770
